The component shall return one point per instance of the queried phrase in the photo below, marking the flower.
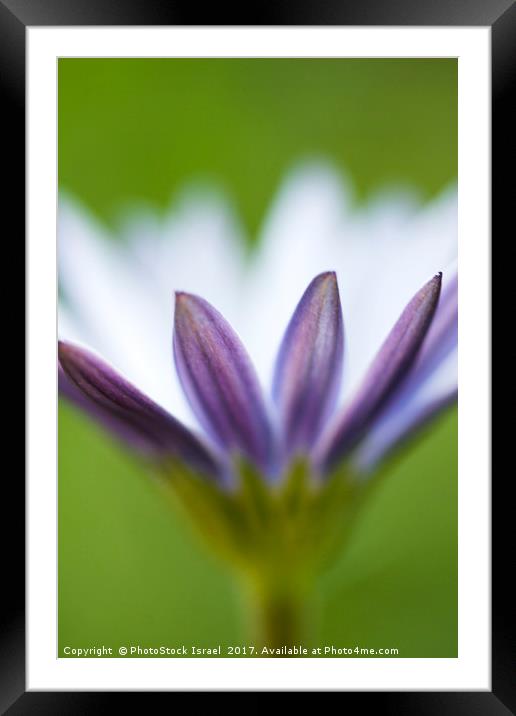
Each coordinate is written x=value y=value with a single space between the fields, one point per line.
x=276 y=478
x=116 y=298
x=223 y=389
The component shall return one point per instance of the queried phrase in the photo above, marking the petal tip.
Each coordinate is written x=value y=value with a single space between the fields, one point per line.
x=437 y=279
x=185 y=301
x=188 y=308
x=325 y=285
x=65 y=351
x=180 y=297
x=431 y=290
x=435 y=285
x=326 y=277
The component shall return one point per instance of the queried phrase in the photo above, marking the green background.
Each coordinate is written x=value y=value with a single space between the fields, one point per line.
x=130 y=571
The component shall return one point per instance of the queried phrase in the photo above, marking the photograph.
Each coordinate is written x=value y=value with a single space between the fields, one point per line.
x=257 y=357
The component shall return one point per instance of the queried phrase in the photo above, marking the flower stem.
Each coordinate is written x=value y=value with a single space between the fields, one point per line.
x=283 y=615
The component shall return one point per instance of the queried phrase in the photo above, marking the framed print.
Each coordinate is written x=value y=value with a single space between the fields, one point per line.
x=258 y=366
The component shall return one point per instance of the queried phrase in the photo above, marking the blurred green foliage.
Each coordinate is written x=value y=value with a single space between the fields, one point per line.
x=132 y=129
x=130 y=570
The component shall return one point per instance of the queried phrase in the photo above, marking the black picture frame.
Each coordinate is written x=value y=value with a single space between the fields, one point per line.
x=500 y=15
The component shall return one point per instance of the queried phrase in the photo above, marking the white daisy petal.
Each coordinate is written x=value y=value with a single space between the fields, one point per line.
x=69 y=328
x=399 y=256
x=122 y=292
x=106 y=289
x=298 y=241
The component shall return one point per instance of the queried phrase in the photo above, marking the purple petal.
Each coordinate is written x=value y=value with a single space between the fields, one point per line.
x=387 y=371
x=120 y=429
x=441 y=338
x=431 y=384
x=309 y=365
x=219 y=380
x=95 y=387
x=393 y=434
